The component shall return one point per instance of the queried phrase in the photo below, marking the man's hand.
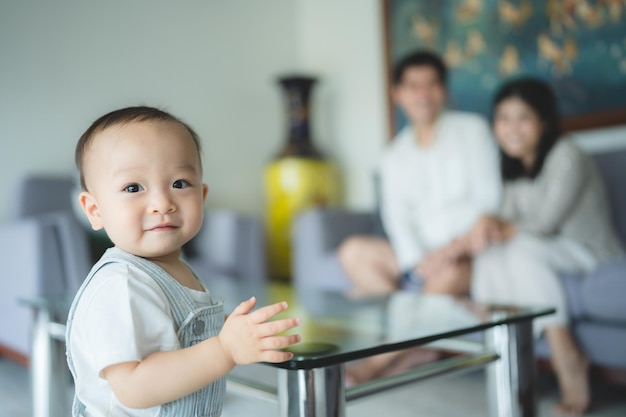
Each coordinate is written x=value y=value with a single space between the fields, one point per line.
x=436 y=261
x=433 y=263
x=506 y=231
x=484 y=232
x=453 y=279
x=487 y=231
x=249 y=337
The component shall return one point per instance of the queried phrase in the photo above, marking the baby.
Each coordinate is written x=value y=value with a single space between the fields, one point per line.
x=144 y=336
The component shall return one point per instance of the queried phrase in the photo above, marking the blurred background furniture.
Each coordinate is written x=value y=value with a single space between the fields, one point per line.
x=597 y=306
x=47 y=251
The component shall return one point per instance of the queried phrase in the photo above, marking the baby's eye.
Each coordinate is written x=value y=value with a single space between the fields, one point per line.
x=180 y=184
x=133 y=188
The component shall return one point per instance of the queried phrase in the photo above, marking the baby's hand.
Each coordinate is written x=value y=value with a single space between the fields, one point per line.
x=249 y=337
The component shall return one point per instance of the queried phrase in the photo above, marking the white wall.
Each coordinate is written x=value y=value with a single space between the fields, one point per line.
x=213 y=63
x=342 y=42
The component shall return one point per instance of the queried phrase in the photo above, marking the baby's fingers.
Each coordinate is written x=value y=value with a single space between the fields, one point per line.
x=279 y=342
x=273 y=327
x=245 y=306
x=275 y=356
x=265 y=313
x=271 y=346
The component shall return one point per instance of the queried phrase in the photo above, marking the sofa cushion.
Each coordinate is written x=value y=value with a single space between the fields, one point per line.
x=604 y=292
x=603 y=343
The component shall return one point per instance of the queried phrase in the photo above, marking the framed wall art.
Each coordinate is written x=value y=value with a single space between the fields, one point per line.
x=578 y=46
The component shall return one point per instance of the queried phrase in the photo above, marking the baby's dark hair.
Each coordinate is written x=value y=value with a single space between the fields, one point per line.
x=122 y=117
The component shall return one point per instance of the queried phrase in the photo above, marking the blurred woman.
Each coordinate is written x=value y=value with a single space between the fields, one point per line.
x=553 y=218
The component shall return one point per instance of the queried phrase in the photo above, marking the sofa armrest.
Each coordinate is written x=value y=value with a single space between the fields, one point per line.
x=603 y=292
x=316 y=235
x=230 y=244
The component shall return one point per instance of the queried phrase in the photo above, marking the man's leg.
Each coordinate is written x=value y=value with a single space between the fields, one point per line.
x=390 y=363
x=370 y=264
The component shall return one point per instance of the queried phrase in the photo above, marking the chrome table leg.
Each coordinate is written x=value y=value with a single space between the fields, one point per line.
x=48 y=369
x=316 y=392
x=511 y=380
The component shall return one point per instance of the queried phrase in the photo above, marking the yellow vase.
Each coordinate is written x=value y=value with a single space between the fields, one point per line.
x=298 y=178
x=293 y=184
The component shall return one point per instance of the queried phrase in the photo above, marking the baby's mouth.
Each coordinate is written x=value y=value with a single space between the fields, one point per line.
x=162 y=227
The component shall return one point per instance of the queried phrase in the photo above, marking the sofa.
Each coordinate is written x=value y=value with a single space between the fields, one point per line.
x=597 y=303
x=47 y=252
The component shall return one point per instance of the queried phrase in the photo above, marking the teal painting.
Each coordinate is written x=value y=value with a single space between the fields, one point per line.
x=578 y=46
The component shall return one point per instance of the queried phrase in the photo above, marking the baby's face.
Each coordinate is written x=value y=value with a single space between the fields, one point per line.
x=145 y=187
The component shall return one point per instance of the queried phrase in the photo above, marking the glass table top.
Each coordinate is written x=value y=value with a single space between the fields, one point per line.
x=337 y=328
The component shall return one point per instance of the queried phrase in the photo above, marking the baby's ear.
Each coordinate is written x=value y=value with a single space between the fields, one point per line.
x=205 y=191
x=90 y=207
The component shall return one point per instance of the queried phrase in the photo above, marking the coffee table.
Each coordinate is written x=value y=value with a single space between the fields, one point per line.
x=336 y=330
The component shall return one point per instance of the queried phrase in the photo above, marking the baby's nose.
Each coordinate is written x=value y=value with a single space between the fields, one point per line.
x=162 y=202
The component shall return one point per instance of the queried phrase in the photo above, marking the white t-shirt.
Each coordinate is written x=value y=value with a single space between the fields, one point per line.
x=431 y=195
x=122 y=316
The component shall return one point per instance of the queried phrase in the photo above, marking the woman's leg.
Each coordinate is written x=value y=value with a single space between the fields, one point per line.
x=537 y=263
x=571 y=367
x=524 y=271
x=370 y=264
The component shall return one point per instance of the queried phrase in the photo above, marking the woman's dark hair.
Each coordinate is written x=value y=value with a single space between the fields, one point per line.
x=538 y=96
x=420 y=59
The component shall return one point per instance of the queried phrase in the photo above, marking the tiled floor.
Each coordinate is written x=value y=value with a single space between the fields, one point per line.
x=453 y=396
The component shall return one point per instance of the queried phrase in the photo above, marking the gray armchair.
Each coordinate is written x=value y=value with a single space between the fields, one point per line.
x=47 y=251
x=42 y=255
x=316 y=236
x=229 y=244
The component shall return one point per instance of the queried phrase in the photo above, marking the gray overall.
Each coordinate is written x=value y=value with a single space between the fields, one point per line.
x=193 y=324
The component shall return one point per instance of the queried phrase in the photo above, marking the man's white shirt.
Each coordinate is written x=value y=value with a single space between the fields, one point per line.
x=431 y=195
